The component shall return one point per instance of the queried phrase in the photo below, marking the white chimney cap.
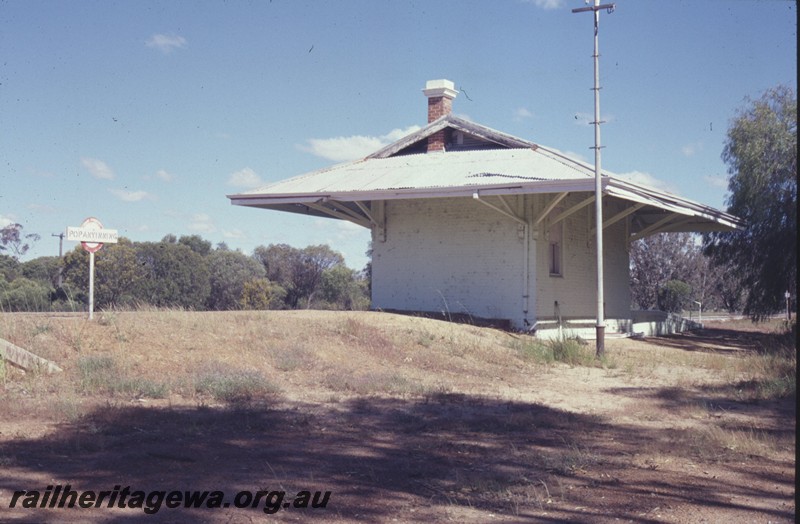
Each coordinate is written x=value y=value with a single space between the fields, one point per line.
x=436 y=88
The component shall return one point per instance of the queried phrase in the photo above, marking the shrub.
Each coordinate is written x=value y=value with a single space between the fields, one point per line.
x=260 y=293
x=234 y=386
x=24 y=295
x=673 y=297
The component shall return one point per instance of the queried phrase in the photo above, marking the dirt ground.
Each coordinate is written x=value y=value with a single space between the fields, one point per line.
x=665 y=433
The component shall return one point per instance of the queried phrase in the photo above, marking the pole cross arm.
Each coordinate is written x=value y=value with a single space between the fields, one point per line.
x=609 y=7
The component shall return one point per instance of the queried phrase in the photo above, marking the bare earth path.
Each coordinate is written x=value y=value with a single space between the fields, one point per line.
x=401 y=419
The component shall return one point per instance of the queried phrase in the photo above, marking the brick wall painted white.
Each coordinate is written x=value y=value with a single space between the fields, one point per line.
x=453 y=255
x=460 y=256
x=576 y=290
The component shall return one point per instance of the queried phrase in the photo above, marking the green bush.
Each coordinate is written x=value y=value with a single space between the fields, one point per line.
x=24 y=295
x=260 y=293
x=673 y=297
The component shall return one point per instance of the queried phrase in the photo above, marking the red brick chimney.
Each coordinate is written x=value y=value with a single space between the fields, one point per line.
x=440 y=95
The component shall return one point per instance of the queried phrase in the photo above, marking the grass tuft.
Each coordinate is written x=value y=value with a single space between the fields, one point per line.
x=234 y=386
x=100 y=374
x=96 y=373
x=566 y=350
x=570 y=351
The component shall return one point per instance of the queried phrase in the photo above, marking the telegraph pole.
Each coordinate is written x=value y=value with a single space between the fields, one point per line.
x=60 y=243
x=60 y=254
x=600 y=327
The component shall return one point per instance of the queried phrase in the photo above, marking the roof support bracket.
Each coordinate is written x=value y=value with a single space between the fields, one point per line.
x=476 y=195
x=378 y=218
x=505 y=204
x=342 y=208
x=574 y=209
x=619 y=216
x=661 y=225
x=553 y=203
x=367 y=213
x=338 y=214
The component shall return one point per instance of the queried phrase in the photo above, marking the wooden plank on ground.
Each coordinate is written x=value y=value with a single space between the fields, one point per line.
x=25 y=359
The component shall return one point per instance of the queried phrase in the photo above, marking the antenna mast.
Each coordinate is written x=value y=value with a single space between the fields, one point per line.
x=600 y=326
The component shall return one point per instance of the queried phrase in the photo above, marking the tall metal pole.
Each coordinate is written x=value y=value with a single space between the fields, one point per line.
x=600 y=326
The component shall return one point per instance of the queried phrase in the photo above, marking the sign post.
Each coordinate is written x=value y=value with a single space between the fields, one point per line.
x=92 y=236
x=91 y=285
x=788 y=297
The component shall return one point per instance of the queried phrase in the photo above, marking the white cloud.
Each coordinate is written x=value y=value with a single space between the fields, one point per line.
x=344 y=148
x=164 y=175
x=337 y=230
x=691 y=149
x=245 y=178
x=346 y=230
x=522 y=113
x=202 y=222
x=397 y=134
x=4 y=221
x=577 y=156
x=719 y=181
x=646 y=179
x=130 y=196
x=234 y=234
x=546 y=4
x=42 y=208
x=97 y=168
x=166 y=43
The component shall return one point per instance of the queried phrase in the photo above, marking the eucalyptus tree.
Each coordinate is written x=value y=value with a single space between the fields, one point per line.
x=761 y=154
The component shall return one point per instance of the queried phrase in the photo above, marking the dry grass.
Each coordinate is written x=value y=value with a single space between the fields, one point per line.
x=697 y=400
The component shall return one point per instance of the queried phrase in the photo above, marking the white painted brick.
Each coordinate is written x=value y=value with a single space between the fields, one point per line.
x=460 y=256
x=576 y=290
x=452 y=255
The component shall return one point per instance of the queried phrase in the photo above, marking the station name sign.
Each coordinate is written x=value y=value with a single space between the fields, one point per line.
x=85 y=234
x=92 y=236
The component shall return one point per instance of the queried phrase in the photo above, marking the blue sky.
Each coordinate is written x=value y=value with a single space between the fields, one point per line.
x=145 y=114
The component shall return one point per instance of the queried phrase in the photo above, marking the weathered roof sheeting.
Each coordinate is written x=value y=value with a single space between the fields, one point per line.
x=503 y=165
x=428 y=171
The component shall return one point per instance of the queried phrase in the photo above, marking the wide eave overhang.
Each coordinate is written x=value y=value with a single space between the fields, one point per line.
x=348 y=191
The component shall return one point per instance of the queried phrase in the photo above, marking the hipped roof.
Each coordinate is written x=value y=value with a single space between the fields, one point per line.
x=496 y=164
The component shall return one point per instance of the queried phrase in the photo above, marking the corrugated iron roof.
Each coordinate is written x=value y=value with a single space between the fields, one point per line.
x=514 y=166
x=432 y=170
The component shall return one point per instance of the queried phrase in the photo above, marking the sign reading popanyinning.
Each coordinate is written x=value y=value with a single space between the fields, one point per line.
x=91 y=235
